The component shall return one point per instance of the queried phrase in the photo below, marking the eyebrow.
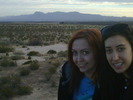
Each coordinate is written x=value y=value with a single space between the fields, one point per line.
x=81 y=49
x=120 y=45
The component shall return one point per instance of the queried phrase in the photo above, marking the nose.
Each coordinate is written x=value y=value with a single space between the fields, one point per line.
x=79 y=58
x=115 y=56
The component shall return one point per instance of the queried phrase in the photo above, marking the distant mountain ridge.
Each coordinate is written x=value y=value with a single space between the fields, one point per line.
x=63 y=17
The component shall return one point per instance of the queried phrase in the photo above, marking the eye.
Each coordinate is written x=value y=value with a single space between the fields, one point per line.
x=85 y=52
x=120 y=49
x=108 y=51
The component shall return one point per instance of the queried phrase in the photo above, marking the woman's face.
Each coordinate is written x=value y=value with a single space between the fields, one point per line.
x=119 y=53
x=83 y=55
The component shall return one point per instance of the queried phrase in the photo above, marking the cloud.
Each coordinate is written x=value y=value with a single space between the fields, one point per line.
x=19 y=7
x=105 y=0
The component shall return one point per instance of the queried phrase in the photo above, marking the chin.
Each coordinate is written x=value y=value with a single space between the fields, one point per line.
x=82 y=71
x=119 y=72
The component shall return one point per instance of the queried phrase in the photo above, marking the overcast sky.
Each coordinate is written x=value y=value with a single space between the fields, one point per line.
x=103 y=7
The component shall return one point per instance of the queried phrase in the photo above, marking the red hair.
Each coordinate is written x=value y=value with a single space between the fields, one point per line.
x=93 y=36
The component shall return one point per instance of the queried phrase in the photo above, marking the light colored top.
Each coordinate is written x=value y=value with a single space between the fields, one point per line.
x=86 y=90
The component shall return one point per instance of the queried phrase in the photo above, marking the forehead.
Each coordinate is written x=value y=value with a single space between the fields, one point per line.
x=80 y=43
x=116 y=40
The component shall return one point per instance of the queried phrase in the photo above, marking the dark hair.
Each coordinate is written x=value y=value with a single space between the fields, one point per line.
x=122 y=29
x=93 y=36
x=111 y=81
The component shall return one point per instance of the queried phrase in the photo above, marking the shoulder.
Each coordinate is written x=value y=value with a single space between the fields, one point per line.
x=65 y=69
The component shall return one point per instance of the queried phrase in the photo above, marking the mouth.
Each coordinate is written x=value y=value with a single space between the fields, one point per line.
x=117 y=65
x=82 y=65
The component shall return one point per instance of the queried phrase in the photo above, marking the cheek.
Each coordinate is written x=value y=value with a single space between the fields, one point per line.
x=74 y=59
x=108 y=57
x=129 y=57
x=89 y=59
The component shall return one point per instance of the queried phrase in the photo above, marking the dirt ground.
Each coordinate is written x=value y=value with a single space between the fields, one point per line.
x=42 y=89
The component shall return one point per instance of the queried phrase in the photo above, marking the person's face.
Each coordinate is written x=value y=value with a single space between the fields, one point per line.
x=119 y=53
x=83 y=55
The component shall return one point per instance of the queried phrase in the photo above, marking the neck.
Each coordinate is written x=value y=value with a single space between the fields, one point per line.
x=89 y=74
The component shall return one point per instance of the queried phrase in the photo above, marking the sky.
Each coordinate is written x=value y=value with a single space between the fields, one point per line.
x=103 y=7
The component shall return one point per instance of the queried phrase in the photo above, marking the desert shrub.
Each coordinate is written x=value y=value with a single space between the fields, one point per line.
x=62 y=53
x=17 y=57
x=12 y=63
x=35 y=42
x=18 y=53
x=53 y=84
x=47 y=76
x=7 y=63
x=7 y=54
x=33 y=53
x=24 y=72
x=55 y=62
x=11 y=86
x=27 y=62
x=4 y=49
x=24 y=46
x=45 y=43
x=51 y=71
x=24 y=90
x=34 y=65
x=4 y=63
x=4 y=57
x=51 y=52
x=29 y=57
x=51 y=58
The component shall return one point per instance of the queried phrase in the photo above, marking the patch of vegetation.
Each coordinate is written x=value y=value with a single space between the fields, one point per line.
x=56 y=62
x=51 y=52
x=18 y=53
x=34 y=65
x=51 y=71
x=33 y=53
x=62 y=53
x=11 y=86
x=24 y=72
x=53 y=84
x=29 y=57
x=48 y=75
x=4 y=49
x=8 y=63
x=17 y=57
x=40 y=34
x=27 y=62
x=5 y=46
x=35 y=42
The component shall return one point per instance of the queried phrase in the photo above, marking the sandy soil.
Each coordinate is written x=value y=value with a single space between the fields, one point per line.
x=41 y=49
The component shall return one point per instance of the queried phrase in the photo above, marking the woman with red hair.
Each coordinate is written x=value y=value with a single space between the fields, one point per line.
x=84 y=50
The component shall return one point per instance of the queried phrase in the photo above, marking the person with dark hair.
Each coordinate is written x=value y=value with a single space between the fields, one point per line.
x=84 y=50
x=116 y=72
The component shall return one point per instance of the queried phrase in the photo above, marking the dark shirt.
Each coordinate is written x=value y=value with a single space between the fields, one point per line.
x=125 y=92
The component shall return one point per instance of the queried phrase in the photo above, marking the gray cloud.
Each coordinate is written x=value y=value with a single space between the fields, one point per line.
x=107 y=0
x=19 y=7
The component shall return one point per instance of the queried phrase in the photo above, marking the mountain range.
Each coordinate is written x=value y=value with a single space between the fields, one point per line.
x=62 y=17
